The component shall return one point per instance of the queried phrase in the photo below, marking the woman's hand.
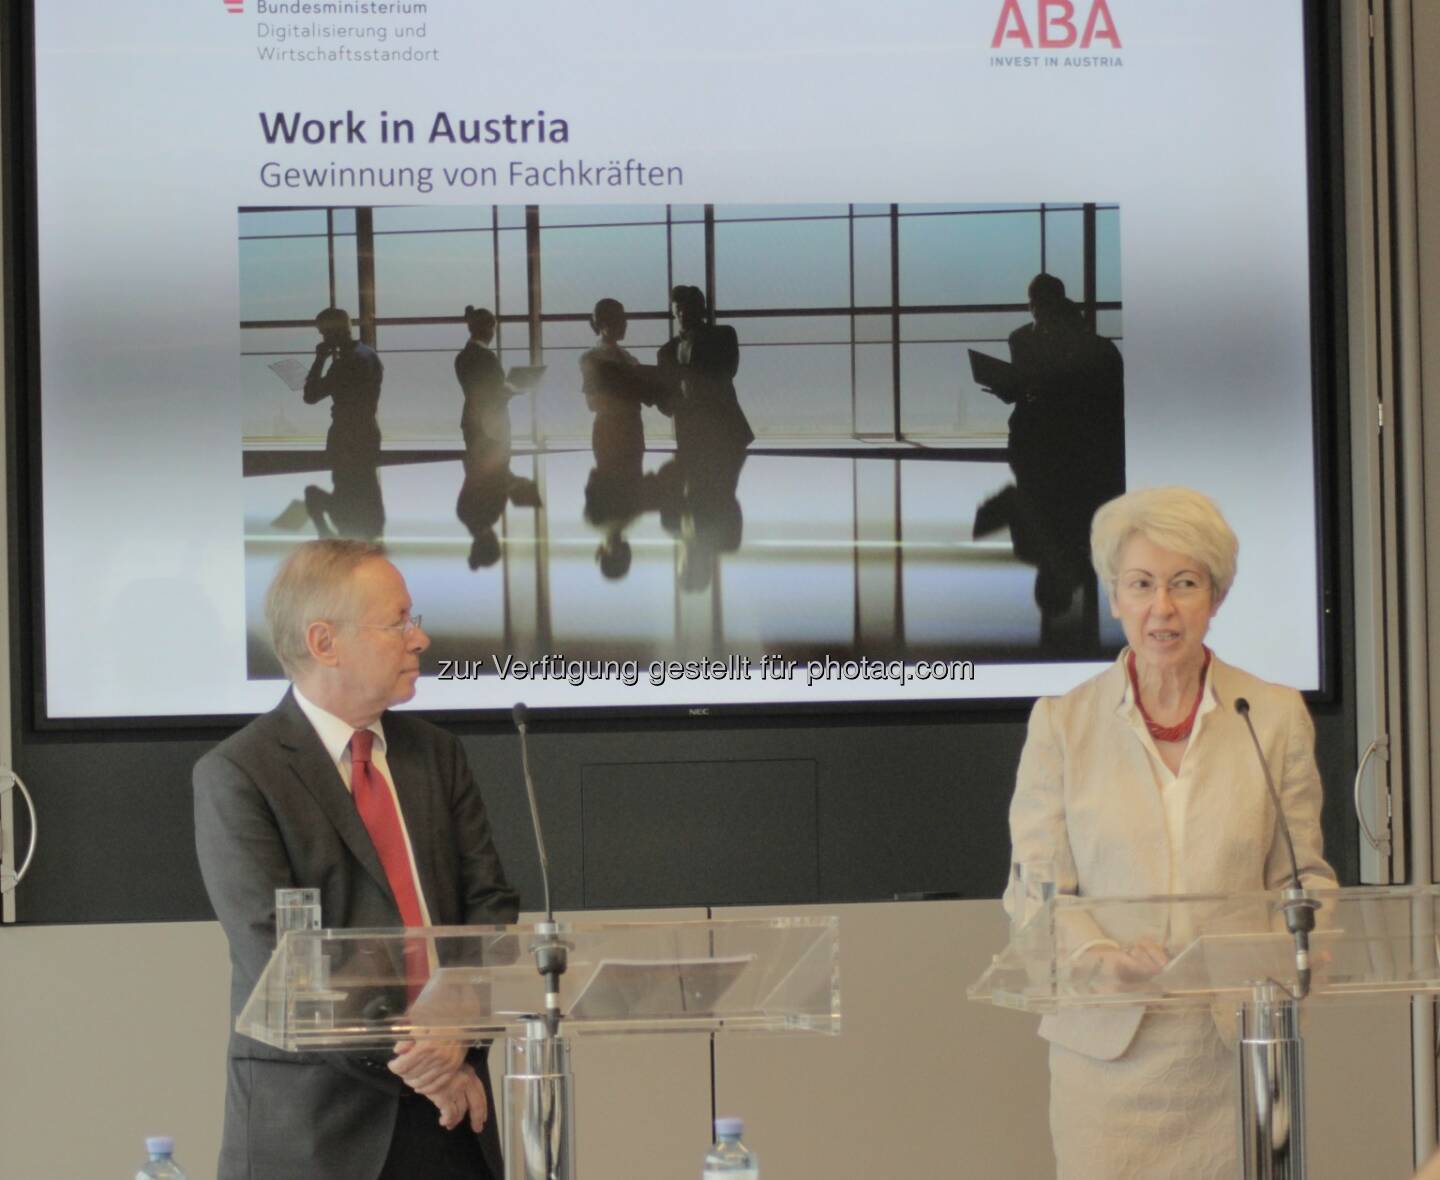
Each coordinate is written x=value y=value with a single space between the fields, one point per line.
x=1138 y=963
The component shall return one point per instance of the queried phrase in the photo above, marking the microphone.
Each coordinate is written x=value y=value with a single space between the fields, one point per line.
x=549 y=951
x=1298 y=906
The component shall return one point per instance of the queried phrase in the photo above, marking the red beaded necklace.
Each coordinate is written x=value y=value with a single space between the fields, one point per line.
x=1169 y=733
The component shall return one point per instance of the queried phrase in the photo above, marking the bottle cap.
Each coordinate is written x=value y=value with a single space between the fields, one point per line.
x=160 y=1144
x=729 y=1126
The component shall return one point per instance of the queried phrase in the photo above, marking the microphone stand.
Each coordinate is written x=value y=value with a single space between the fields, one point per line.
x=550 y=953
x=1298 y=906
x=539 y=1085
x=1272 y=1063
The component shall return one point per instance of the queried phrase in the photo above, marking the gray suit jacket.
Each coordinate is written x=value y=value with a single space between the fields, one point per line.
x=271 y=812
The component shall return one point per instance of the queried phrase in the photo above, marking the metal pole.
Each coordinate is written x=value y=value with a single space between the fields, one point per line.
x=1371 y=445
x=1272 y=1087
x=539 y=1106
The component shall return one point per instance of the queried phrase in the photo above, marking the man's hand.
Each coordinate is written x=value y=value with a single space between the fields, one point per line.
x=462 y=1095
x=427 y=1066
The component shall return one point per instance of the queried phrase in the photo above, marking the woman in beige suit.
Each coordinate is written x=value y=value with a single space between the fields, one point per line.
x=1143 y=780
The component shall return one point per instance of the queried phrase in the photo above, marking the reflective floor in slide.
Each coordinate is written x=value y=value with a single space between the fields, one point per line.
x=796 y=554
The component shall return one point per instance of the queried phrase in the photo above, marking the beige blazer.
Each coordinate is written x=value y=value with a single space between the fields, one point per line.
x=1088 y=798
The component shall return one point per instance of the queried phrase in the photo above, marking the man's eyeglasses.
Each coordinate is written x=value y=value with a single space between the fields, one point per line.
x=404 y=627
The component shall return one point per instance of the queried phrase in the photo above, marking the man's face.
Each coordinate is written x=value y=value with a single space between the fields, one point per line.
x=687 y=315
x=334 y=330
x=378 y=656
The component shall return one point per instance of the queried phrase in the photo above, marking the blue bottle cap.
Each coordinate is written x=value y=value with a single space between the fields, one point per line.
x=729 y=1126
x=160 y=1144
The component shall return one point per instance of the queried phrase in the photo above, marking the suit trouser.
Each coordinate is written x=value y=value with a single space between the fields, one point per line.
x=421 y=1149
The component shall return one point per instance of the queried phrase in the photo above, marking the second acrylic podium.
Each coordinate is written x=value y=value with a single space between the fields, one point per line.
x=1229 y=953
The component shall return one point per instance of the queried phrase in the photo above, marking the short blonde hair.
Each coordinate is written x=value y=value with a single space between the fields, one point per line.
x=1179 y=519
x=314 y=582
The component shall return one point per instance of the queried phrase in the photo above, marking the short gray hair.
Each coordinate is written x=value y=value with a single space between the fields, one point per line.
x=312 y=583
x=1179 y=519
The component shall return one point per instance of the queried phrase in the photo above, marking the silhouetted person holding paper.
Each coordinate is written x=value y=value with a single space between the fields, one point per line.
x=489 y=483
x=482 y=382
x=349 y=373
x=1067 y=450
x=486 y=489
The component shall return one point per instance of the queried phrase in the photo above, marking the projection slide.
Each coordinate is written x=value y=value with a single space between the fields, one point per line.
x=674 y=366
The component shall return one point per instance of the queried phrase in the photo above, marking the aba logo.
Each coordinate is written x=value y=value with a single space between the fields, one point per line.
x=1054 y=22
x=234 y=6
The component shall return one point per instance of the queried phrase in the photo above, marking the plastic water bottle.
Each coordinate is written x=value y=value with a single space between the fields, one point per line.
x=729 y=1157
x=160 y=1165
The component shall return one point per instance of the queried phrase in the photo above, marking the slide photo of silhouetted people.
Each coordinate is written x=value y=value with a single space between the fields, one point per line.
x=685 y=431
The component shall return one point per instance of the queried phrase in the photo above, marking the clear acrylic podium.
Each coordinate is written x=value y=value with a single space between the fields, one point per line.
x=1230 y=953
x=363 y=990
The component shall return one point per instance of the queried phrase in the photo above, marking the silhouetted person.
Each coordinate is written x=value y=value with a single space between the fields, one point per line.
x=699 y=365
x=696 y=495
x=610 y=378
x=1067 y=450
x=696 y=490
x=613 y=502
x=485 y=425
x=483 y=496
x=488 y=486
x=616 y=386
x=349 y=373
x=482 y=381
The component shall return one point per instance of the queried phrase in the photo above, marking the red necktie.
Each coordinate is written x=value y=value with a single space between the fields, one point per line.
x=376 y=806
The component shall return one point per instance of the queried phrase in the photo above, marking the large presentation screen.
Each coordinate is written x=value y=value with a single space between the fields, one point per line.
x=681 y=356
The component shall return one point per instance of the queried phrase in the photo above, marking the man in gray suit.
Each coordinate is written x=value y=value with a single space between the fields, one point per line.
x=291 y=800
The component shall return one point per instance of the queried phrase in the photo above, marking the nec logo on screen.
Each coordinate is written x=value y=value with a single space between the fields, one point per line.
x=1054 y=22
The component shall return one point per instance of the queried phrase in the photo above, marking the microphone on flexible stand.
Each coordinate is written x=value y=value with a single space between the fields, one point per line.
x=1299 y=907
x=549 y=951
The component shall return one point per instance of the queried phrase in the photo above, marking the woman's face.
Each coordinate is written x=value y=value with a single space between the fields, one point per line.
x=1165 y=601
x=611 y=326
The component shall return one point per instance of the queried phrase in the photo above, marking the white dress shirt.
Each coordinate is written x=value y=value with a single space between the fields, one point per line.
x=334 y=735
